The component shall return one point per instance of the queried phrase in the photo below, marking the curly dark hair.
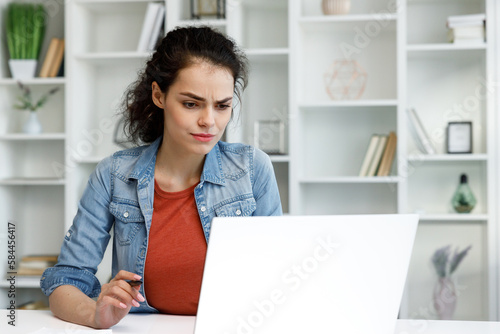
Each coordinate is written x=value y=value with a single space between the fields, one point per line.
x=179 y=49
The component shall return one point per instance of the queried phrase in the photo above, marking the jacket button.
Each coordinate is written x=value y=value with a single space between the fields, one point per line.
x=125 y=214
x=238 y=212
x=203 y=209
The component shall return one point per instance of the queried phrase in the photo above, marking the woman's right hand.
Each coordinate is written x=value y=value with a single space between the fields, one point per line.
x=116 y=299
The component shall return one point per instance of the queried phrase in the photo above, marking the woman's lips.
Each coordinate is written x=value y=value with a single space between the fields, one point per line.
x=203 y=137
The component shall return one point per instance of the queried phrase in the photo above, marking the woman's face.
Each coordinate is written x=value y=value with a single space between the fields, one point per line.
x=197 y=108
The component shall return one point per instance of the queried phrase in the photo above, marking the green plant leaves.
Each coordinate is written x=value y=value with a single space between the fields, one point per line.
x=25 y=27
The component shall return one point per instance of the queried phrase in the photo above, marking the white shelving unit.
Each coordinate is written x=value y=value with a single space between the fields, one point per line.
x=442 y=82
x=32 y=192
x=290 y=45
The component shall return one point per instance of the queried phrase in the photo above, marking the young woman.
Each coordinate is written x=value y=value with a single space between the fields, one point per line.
x=161 y=197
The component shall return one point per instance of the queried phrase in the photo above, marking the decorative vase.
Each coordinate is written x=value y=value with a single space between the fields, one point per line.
x=32 y=125
x=445 y=298
x=335 y=7
x=463 y=200
x=22 y=69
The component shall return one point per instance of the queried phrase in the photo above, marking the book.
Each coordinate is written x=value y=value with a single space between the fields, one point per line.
x=56 y=64
x=34 y=258
x=372 y=145
x=49 y=58
x=60 y=73
x=466 y=20
x=148 y=25
x=388 y=156
x=157 y=28
x=35 y=265
x=419 y=134
x=462 y=35
x=372 y=170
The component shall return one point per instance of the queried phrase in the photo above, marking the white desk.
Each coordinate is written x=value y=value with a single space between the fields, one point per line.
x=31 y=321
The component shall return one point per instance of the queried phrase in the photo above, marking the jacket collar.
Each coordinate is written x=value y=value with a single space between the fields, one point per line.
x=212 y=169
x=144 y=168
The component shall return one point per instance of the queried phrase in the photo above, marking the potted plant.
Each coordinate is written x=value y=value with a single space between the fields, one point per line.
x=26 y=102
x=25 y=27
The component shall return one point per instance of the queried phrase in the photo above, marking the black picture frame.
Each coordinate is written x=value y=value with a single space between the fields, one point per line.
x=459 y=137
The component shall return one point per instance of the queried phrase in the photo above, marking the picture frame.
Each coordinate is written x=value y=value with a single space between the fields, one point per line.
x=208 y=8
x=269 y=136
x=459 y=137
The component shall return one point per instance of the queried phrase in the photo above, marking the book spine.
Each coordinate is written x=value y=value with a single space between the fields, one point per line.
x=147 y=26
x=369 y=155
x=419 y=133
x=388 y=157
x=49 y=58
x=57 y=59
x=376 y=157
x=160 y=18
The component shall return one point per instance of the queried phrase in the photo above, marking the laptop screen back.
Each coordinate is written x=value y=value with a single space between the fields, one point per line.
x=305 y=274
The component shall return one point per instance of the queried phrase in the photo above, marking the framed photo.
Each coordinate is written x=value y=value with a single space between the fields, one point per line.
x=208 y=8
x=269 y=136
x=459 y=137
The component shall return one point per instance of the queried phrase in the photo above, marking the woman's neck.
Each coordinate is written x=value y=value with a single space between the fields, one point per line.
x=175 y=171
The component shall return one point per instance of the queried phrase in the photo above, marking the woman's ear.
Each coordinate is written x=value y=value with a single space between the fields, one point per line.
x=157 y=95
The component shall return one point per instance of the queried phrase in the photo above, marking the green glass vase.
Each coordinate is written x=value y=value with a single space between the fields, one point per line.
x=463 y=200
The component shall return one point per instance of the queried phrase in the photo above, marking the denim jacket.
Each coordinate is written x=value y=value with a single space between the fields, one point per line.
x=237 y=180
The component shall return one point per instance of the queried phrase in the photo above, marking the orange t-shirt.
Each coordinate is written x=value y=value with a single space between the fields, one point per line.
x=176 y=253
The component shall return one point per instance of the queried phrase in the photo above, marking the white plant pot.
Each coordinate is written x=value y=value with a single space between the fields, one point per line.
x=336 y=7
x=22 y=69
x=32 y=125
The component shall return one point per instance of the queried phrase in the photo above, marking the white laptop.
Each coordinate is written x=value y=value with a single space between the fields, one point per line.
x=305 y=274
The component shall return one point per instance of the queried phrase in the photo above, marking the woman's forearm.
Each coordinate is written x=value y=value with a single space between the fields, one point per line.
x=70 y=304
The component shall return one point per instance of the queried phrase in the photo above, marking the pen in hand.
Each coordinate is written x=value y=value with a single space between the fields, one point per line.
x=133 y=282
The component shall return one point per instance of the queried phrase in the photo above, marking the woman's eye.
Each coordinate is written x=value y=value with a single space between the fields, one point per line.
x=223 y=106
x=189 y=105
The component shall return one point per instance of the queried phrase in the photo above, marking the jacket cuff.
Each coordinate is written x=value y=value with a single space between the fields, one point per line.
x=79 y=278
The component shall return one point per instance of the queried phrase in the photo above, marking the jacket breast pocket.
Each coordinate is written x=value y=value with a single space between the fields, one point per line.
x=240 y=208
x=128 y=221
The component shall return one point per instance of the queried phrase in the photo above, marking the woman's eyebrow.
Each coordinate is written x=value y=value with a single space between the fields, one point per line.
x=227 y=99
x=199 y=98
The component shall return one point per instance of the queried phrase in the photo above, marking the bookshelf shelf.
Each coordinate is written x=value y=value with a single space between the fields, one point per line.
x=280 y=158
x=312 y=20
x=35 y=81
x=26 y=137
x=32 y=181
x=449 y=157
x=217 y=23
x=445 y=47
x=454 y=218
x=23 y=282
x=352 y=103
x=105 y=6
x=350 y=179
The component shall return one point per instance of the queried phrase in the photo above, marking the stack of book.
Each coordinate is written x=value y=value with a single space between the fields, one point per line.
x=467 y=29
x=379 y=155
x=53 y=63
x=151 y=27
x=35 y=265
